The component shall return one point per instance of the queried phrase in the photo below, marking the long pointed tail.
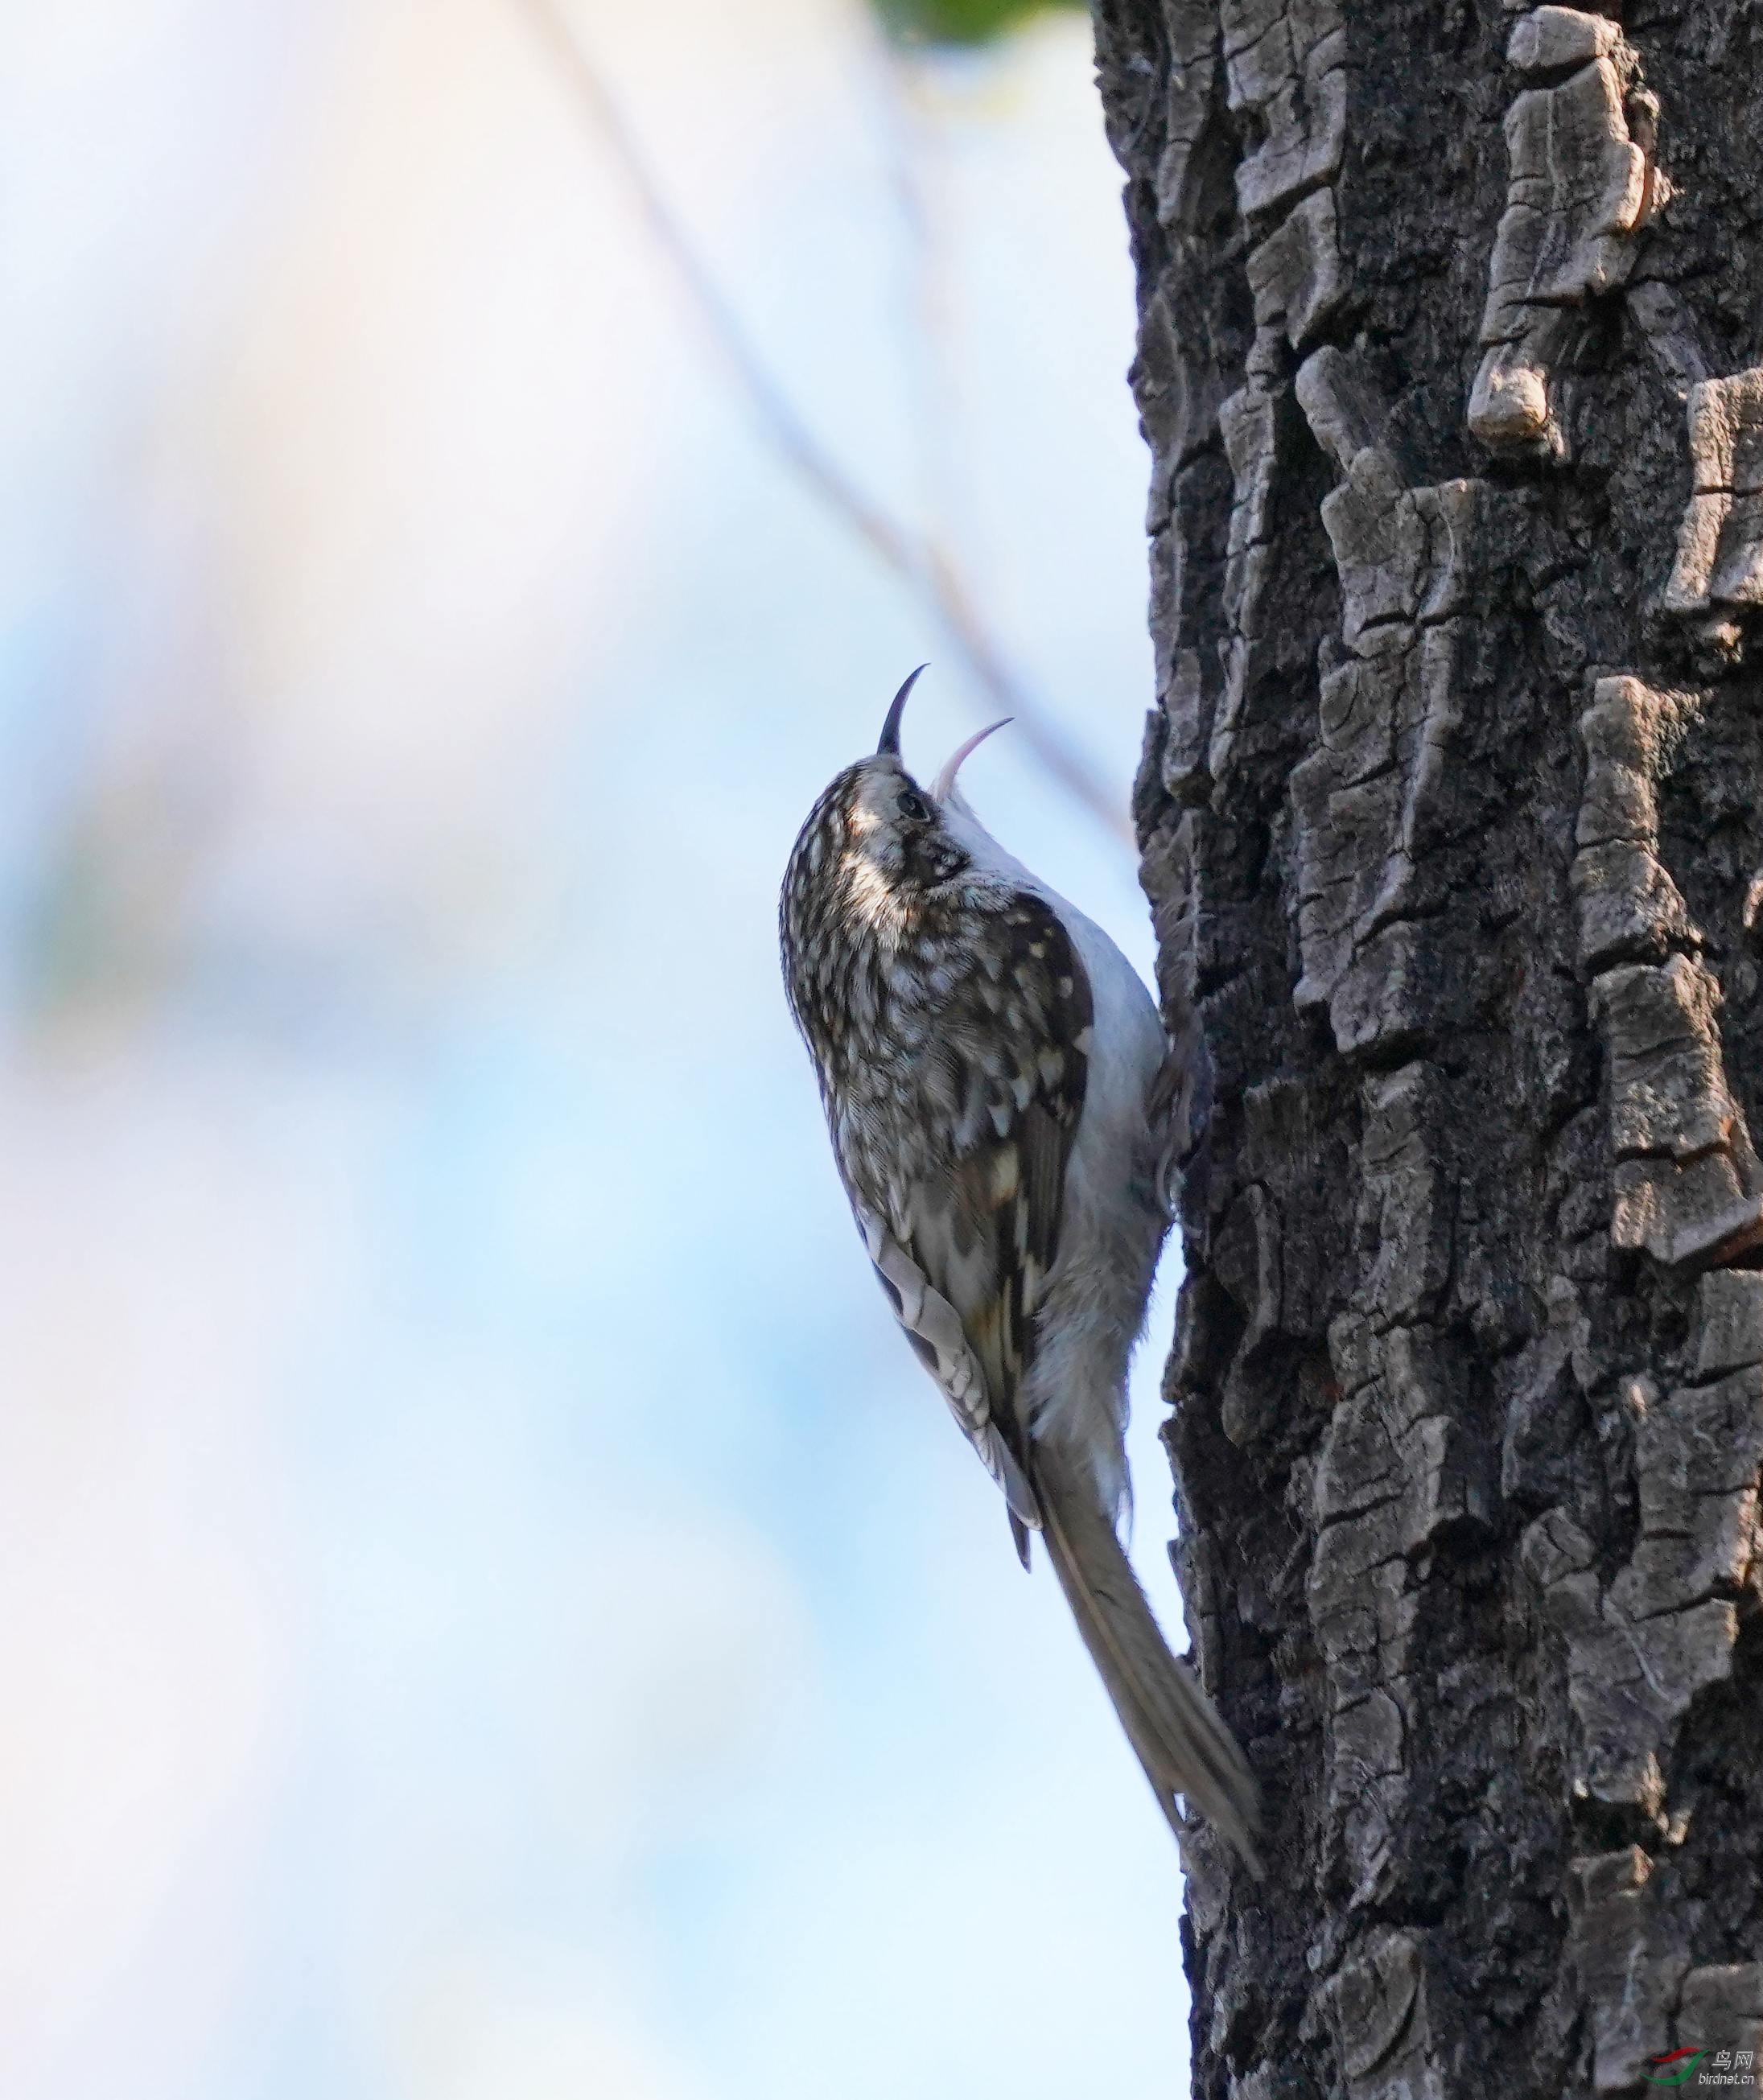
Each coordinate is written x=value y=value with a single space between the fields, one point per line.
x=1180 y=1738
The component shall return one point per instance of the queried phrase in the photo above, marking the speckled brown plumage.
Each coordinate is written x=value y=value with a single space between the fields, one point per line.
x=949 y=1031
x=987 y=1059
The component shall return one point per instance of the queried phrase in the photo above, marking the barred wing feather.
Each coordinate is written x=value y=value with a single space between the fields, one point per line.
x=963 y=1233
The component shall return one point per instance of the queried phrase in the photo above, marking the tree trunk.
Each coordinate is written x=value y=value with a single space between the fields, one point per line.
x=1450 y=324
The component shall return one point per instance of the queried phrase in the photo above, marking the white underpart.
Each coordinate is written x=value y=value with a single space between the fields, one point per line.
x=1112 y=1222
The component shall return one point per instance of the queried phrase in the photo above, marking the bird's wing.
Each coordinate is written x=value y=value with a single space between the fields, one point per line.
x=934 y=1330
x=962 y=1224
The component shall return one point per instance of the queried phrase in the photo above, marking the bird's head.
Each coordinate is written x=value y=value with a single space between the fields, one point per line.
x=876 y=832
x=875 y=870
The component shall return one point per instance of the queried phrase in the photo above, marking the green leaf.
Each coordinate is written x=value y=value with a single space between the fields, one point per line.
x=960 y=21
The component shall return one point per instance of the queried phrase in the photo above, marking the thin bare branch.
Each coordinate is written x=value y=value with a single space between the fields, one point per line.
x=919 y=560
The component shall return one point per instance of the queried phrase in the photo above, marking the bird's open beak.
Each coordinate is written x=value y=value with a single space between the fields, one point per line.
x=890 y=728
x=946 y=778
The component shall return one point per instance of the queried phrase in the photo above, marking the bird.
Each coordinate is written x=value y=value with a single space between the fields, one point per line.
x=991 y=1065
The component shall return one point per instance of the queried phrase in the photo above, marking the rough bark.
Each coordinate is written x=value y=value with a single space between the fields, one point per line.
x=1451 y=364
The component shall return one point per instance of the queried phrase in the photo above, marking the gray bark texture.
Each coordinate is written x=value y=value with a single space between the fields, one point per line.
x=1451 y=364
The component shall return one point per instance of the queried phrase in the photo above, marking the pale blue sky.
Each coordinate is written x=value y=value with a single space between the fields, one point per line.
x=492 y=1609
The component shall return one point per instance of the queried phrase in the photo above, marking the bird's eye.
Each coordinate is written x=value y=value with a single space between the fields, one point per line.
x=913 y=805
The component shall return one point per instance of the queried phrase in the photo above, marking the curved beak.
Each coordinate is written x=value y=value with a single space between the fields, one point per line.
x=946 y=778
x=890 y=728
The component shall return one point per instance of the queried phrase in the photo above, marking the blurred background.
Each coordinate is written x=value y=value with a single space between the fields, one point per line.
x=492 y=1610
